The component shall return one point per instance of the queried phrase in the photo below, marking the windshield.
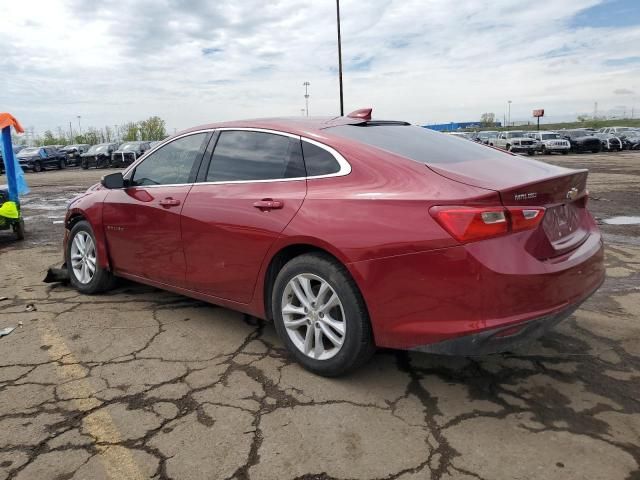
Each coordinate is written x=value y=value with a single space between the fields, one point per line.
x=416 y=143
x=549 y=136
x=515 y=134
x=98 y=149
x=487 y=134
x=27 y=152
x=130 y=146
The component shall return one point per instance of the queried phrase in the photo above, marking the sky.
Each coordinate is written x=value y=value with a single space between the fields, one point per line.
x=424 y=61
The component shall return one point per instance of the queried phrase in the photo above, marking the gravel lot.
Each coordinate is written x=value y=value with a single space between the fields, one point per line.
x=145 y=384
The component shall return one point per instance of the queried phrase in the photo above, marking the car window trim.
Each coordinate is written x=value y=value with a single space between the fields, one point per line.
x=345 y=166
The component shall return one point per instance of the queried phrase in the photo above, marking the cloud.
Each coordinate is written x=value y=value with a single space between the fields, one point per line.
x=197 y=61
x=623 y=91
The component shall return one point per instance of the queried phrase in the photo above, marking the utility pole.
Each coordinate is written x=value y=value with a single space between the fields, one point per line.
x=70 y=132
x=509 y=114
x=79 y=125
x=306 y=95
x=595 y=110
x=116 y=133
x=340 y=58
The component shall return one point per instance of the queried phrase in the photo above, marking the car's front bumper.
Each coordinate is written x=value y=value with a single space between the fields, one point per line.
x=523 y=148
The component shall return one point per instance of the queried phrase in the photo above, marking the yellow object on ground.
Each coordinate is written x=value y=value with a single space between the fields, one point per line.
x=9 y=210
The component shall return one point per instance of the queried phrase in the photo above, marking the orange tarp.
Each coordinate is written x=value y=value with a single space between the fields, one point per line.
x=6 y=120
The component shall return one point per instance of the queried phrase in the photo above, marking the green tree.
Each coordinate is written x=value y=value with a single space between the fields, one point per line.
x=488 y=119
x=48 y=138
x=130 y=131
x=153 y=128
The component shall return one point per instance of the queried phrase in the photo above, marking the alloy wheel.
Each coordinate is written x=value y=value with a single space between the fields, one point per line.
x=313 y=316
x=83 y=257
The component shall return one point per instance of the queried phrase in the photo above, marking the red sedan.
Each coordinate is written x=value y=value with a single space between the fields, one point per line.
x=349 y=233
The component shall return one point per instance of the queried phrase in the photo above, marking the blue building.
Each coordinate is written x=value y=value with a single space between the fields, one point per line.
x=453 y=126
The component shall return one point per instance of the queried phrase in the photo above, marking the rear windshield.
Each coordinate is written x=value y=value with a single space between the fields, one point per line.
x=416 y=143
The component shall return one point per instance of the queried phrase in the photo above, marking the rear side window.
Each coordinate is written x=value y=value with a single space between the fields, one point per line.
x=416 y=143
x=245 y=156
x=172 y=164
x=318 y=161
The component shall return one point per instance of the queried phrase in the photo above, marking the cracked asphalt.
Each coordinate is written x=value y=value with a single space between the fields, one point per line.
x=141 y=383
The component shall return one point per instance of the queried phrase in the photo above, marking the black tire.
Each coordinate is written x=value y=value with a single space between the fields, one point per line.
x=102 y=280
x=62 y=164
x=18 y=229
x=564 y=152
x=595 y=150
x=530 y=152
x=84 y=164
x=358 y=345
x=37 y=166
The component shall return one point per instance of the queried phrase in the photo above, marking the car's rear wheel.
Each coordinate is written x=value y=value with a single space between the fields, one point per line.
x=82 y=261
x=84 y=164
x=62 y=164
x=37 y=166
x=320 y=315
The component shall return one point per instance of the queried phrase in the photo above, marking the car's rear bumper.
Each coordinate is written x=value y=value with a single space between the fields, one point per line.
x=431 y=297
x=501 y=339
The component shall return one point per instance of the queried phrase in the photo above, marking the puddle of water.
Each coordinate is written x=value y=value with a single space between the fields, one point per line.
x=622 y=220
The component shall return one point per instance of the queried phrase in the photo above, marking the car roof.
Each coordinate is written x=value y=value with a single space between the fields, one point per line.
x=295 y=125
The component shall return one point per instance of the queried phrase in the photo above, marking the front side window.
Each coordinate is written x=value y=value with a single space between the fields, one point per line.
x=318 y=161
x=246 y=155
x=172 y=164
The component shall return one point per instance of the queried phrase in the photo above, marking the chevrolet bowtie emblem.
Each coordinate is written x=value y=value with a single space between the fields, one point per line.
x=572 y=194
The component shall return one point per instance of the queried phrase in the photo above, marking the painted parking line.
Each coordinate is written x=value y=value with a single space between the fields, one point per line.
x=117 y=461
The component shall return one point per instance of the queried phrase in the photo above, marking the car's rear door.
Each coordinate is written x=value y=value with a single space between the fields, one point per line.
x=252 y=188
x=142 y=221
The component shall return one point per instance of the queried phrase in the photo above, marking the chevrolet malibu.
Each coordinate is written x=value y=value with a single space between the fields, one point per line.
x=348 y=233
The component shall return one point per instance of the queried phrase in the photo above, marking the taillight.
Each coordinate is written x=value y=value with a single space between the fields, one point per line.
x=468 y=224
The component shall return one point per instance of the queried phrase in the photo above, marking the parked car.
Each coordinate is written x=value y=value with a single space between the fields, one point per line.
x=334 y=229
x=128 y=152
x=609 y=142
x=16 y=149
x=582 y=140
x=154 y=144
x=488 y=137
x=516 y=142
x=461 y=135
x=37 y=159
x=551 y=142
x=73 y=152
x=98 y=156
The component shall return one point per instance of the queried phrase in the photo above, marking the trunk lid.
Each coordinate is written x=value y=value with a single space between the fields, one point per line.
x=523 y=182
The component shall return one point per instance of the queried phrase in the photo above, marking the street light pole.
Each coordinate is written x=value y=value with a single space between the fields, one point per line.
x=79 y=125
x=306 y=95
x=509 y=114
x=340 y=58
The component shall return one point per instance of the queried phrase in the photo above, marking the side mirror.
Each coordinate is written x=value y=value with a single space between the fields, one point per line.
x=112 y=181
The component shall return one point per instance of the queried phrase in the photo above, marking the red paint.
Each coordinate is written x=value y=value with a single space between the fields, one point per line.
x=420 y=284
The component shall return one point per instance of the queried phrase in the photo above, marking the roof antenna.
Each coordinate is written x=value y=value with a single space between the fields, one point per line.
x=363 y=113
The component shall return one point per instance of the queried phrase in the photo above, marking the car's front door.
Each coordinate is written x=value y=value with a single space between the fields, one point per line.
x=142 y=221
x=254 y=185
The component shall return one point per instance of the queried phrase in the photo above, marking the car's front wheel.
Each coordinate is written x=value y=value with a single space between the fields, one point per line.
x=82 y=261
x=320 y=315
x=62 y=164
x=37 y=166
